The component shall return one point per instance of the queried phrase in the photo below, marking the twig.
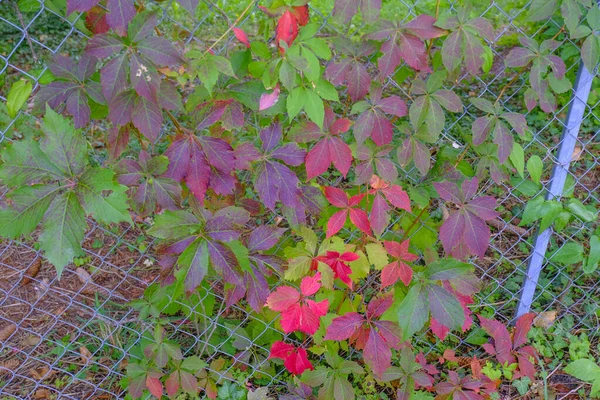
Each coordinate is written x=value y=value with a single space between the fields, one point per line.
x=513 y=229
x=230 y=28
x=20 y=16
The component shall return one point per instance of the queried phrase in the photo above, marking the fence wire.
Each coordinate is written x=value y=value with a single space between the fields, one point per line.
x=72 y=338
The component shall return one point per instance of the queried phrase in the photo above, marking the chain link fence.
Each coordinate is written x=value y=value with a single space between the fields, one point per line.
x=71 y=338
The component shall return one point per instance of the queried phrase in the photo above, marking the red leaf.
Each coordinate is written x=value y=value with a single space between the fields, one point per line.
x=241 y=36
x=341 y=328
x=268 y=100
x=298 y=313
x=287 y=30
x=377 y=354
x=336 y=197
x=95 y=21
x=154 y=386
x=340 y=126
x=379 y=305
x=172 y=384
x=336 y=222
x=502 y=342
x=283 y=298
x=360 y=219
x=523 y=325
x=394 y=271
x=338 y=264
x=294 y=360
x=310 y=284
x=297 y=362
x=301 y=13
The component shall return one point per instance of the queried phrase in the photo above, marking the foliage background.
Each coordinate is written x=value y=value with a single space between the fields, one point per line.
x=57 y=321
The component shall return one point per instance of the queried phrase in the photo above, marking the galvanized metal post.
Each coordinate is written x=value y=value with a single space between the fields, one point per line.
x=582 y=87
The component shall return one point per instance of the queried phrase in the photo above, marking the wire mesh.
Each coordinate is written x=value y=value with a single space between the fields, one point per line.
x=72 y=338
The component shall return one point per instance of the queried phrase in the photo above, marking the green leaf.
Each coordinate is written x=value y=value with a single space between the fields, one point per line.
x=65 y=147
x=570 y=253
x=517 y=157
x=582 y=212
x=549 y=212
x=174 y=225
x=241 y=253
x=533 y=211
x=488 y=59
x=542 y=9
x=377 y=255
x=319 y=47
x=314 y=107
x=18 y=95
x=29 y=204
x=584 y=369
x=535 y=168
x=313 y=70
x=445 y=307
x=63 y=231
x=287 y=75
x=590 y=52
x=111 y=208
x=23 y=162
x=326 y=90
x=413 y=312
x=594 y=255
x=295 y=101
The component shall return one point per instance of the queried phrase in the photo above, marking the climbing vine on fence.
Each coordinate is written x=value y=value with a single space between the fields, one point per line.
x=308 y=174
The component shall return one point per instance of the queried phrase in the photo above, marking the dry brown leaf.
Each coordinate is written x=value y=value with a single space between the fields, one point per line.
x=545 y=319
x=576 y=153
x=31 y=272
x=9 y=365
x=7 y=331
x=31 y=340
x=86 y=355
x=41 y=373
x=42 y=394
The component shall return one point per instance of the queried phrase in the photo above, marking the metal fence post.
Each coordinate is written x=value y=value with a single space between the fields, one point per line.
x=583 y=84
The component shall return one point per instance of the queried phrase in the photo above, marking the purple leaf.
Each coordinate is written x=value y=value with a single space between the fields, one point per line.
x=290 y=153
x=113 y=76
x=145 y=78
x=481 y=128
x=344 y=10
x=376 y=353
x=148 y=118
x=169 y=98
x=448 y=191
x=80 y=5
x=159 y=50
x=121 y=107
x=379 y=217
x=519 y=57
x=103 y=46
x=77 y=106
x=391 y=57
x=517 y=121
x=341 y=328
x=245 y=154
x=393 y=105
x=359 y=81
x=264 y=237
x=449 y=100
x=218 y=152
x=271 y=136
x=503 y=138
x=121 y=12
x=224 y=261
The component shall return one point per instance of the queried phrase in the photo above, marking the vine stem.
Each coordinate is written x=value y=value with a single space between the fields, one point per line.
x=178 y=126
x=418 y=218
x=239 y=18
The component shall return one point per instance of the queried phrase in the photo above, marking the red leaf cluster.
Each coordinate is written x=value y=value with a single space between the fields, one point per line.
x=294 y=359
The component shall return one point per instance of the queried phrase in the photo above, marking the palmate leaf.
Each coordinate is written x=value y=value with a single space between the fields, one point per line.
x=385 y=194
x=334 y=379
x=463 y=43
x=545 y=66
x=495 y=124
x=430 y=101
x=373 y=121
x=465 y=231
x=274 y=181
x=190 y=235
x=437 y=297
x=201 y=162
x=120 y=12
x=73 y=87
x=149 y=188
x=366 y=332
x=405 y=42
x=374 y=160
x=60 y=189
x=351 y=70
x=344 y=10
x=330 y=149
